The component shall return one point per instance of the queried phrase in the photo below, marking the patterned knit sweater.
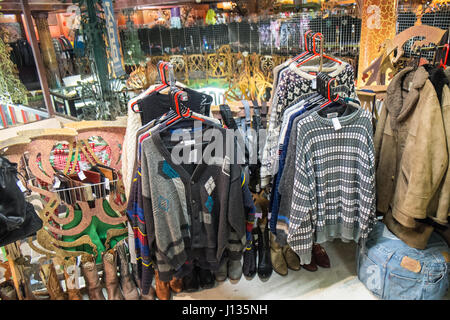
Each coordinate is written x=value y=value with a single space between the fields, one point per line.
x=334 y=182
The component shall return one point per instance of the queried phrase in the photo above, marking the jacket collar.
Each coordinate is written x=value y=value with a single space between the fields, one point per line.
x=398 y=105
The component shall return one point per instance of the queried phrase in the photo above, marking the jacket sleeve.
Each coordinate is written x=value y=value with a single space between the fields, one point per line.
x=443 y=210
x=423 y=165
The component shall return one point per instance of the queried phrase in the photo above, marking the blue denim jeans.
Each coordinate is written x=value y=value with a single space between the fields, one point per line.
x=379 y=267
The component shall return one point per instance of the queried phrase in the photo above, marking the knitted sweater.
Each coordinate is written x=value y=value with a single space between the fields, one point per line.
x=193 y=216
x=334 y=182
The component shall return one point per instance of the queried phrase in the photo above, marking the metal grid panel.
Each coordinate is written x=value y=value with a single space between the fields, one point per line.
x=267 y=35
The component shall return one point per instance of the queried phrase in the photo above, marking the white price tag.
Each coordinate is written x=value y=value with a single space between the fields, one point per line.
x=107 y=184
x=336 y=124
x=258 y=215
x=21 y=186
x=314 y=83
x=189 y=142
x=81 y=175
x=57 y=183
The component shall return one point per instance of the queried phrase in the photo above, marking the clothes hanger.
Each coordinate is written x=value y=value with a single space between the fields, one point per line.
x=160 y=67
x=315 y=53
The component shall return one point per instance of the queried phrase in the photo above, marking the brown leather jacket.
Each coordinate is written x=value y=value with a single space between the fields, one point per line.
x=412 y=156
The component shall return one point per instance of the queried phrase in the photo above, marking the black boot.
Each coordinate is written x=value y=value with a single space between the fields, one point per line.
x=249 y=265
x=190 y=281
x=264 y=262
x=205 y=278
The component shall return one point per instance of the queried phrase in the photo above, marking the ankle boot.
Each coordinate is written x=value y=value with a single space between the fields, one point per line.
x=292 y=259
x=90 y=274
x=222 y=272
x=50 y=278
x=264 y=262
x=127 y=284
x=71 y=275
x=249 y=264
x=110 y=275
x=162 y=288
x=320 y=256
x=279 y=262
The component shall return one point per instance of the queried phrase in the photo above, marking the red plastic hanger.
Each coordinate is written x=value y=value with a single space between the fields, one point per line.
x=161 y=66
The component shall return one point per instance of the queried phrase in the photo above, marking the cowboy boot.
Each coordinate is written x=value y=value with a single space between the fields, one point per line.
x=292 y=259
x=127 y=284
x=264 y=259
x=50 y=278
x=162 y=288
x=91 y=278
x=279 y=262
x=71 y=274
x=176 y=284
x=110 y=275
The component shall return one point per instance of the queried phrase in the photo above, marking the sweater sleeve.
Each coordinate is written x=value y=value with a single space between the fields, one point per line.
x=303 y=206
x=147 y=214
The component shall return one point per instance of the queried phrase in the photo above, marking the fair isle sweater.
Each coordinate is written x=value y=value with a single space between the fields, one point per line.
x=198 y=216
x=334 y=182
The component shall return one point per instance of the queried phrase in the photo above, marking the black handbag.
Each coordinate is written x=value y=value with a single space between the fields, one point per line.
x=18 y=219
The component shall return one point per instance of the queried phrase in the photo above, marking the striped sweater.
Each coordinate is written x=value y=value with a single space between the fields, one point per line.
x=334 y=182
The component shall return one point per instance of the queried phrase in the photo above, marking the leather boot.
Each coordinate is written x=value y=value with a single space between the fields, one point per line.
x=320 y=256
x=90 y=274
x=71 y=275
x=264 y=262
x=110 y=275
x=127 y=284
x=279 y=263
x=249 y=264
x=176 y=285
x=292 y=259
x=50 y=278
x=162 y=288
x=222 y=273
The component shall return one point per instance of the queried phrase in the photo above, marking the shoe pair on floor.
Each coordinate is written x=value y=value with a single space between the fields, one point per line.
x=198 y=278
x=259 y=246
x=284 y=258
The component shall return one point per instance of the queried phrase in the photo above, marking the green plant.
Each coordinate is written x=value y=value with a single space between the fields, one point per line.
x=12 y=89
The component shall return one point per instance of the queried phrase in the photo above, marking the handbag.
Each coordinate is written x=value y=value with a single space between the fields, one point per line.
x=18 y=219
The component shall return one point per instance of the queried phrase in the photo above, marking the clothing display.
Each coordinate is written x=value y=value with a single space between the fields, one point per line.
x=258 y=156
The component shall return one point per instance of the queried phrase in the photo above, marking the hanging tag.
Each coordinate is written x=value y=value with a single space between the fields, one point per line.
x=81 y=175
x=107 y=184
x=189 y=142
x=193 y=156
x=336 y=124
x=314 y=83
x=78 y=261
x=21 y=186
x=258 y=215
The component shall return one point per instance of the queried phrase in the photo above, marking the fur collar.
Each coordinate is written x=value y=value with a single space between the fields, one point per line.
x=399 y=102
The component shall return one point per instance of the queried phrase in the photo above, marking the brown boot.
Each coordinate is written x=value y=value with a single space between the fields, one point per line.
x=162 y=288
x=276 y=255
x=50 y=279
x=320 y=256
x=292 y=259
x=127 y=284
x=110 y=275
x=176 y=285
x=71 y=274
x=90 y=275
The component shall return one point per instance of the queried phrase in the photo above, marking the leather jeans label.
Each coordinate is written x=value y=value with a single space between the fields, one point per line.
x=446 y=256
x=411 y=264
